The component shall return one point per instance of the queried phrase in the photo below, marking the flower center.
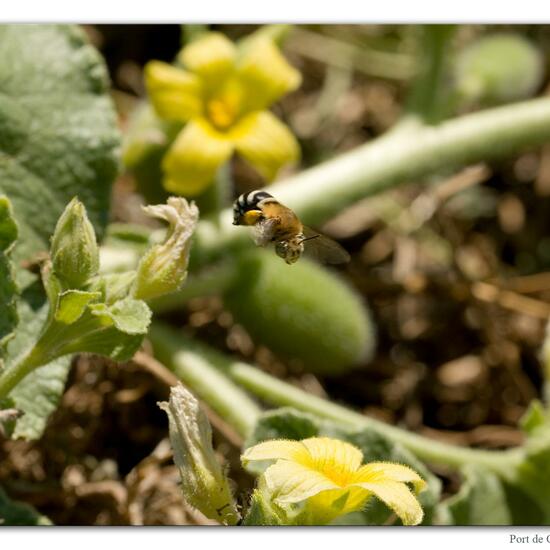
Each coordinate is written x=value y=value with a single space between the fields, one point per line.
x=221 y=113
x=225 y=107
x=335 y=473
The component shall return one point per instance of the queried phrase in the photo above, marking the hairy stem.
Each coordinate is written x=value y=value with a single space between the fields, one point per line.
x=13 y=374
x=198 y=365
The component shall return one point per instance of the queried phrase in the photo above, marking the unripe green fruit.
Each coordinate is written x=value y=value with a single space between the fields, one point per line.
x=499 y=68
x=302 y=311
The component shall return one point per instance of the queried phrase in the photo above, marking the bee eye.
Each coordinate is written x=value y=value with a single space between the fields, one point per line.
x=281 y=249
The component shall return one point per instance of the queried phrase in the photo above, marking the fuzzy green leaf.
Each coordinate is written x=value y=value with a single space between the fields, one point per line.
x=8 y=288
x=18 y=513
x=38 y=394
x=58 y=139
x=128 y=316
x=481 y=499
x=58 y=131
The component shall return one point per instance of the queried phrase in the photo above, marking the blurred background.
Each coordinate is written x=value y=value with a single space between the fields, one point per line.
x=456 y=276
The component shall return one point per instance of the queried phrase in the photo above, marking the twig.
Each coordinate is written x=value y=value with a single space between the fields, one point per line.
x=510 y=300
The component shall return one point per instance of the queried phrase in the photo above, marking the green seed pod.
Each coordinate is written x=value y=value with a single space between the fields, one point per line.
x=301 y=312
x=499 y=68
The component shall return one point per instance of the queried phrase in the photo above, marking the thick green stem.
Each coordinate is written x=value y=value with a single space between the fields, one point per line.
x=206 y=370
x=397 y=158
x=200 y=370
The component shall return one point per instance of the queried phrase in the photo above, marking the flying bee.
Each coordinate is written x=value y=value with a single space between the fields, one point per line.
x=277 y=224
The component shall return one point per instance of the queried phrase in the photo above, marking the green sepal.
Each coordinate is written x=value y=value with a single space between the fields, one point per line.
x=264 y=512
x=72 y=304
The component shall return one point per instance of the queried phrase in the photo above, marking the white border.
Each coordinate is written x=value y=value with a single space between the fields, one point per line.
x=264 y=538
x=254 y=11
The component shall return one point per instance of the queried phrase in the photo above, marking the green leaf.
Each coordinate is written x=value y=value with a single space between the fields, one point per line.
x=72 y=305
x=129 y=316
x=284 y=423
x=58 y=139
x=114 y=331
x=8 y=288
x=38 y=394
x=58 y=131
x=18 y=513
x=8 y=227
x=535 y=417
x=481 y=499
x=533 y=474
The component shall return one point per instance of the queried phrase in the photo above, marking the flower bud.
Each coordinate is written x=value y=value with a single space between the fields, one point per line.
x=74 y=250
x=163 y=268
x=203 y=481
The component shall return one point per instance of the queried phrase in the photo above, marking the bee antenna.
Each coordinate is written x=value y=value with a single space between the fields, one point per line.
x=309 y=238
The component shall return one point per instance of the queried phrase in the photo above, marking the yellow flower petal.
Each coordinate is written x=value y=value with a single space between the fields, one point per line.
x=265 y=142
x=337 y=459
x=328 y=505
x=212 y=57
x=397 y=496
x=377 y=472
x=174 y=93
x=275 y=449
x=265 y=73
x=291 y=482
x=191 y=163
x=387 y=481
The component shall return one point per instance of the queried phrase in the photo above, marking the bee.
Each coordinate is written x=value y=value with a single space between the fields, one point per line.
x=277 y=224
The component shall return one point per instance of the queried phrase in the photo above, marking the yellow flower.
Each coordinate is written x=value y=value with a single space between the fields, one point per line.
x=326 y=475
x=222 y=95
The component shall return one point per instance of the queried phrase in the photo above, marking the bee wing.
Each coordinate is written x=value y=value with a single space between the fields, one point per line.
x=323 y=248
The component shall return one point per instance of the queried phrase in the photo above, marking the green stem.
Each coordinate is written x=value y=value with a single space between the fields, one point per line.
x=397 y=158
x=428 y=99
x=217 y=196
x=173 y=349
x=199 y=368
x=16 y=372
